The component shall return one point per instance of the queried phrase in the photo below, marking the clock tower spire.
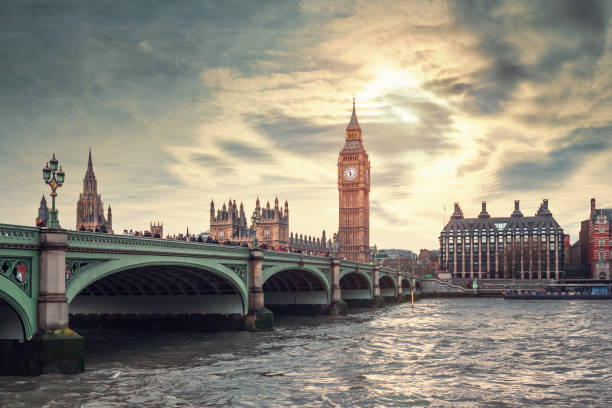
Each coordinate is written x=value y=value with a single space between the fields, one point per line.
x=354 y=195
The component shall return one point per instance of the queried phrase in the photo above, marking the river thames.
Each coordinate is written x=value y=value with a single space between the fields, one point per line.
x=447 y=352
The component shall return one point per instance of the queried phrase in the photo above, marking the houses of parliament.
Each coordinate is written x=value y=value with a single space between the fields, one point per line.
x=230 y=222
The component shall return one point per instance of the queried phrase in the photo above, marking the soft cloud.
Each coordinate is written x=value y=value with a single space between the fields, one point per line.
x=458 y=101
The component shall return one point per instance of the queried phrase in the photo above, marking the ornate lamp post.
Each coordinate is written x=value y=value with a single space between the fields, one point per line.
x=54 y=179
x=336 y=240
x=255 y=218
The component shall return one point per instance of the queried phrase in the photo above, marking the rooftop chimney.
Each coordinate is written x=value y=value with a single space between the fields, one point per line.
x=543 y=210
x=457 y=213
x=592 y=205
x=484 y=213
x=517 y=211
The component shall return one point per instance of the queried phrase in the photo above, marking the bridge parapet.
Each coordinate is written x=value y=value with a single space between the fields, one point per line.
x=100 y=242
x=16 y=235
x=295 y=257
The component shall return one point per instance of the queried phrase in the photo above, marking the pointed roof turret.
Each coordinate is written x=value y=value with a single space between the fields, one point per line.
x=43 y=202
x=89 y=163
x=353 y=123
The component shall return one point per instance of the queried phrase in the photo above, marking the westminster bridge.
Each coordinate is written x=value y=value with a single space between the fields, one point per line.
x=48 y=275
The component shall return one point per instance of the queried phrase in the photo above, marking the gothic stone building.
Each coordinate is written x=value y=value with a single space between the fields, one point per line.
x=42 y=219
x=354 y=195
x=503 y=247
x=230 y=224
x=90 y=210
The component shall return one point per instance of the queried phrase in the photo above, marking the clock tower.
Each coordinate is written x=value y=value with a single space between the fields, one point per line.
x=354 y=194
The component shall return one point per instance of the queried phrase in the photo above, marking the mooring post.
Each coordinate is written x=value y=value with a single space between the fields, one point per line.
x=258 y=317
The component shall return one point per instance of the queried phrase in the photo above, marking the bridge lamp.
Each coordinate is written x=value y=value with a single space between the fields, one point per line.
x=255 y=218
x=55 y=179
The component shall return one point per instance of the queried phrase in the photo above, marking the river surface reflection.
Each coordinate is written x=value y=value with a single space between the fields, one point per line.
x=447 y=352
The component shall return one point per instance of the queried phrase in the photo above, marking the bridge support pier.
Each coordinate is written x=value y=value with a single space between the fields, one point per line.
x=401 y=297
x=259 y=317
x=337 y=306
x=377 y=300
x=54 y=348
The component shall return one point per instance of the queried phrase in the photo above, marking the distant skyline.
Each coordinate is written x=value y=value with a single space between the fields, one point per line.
x=182 y=102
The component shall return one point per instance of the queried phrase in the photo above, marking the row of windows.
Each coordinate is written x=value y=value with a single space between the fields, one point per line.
x=500 y=275
x=500 y=267
x=451 y=247
x=541 y=238
x=501 y=233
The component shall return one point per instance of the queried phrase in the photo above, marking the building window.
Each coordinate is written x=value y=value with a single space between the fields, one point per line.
x=601 y=230
x=221 y=234
x=602 y=256
x=267 y=233
x=601 y=242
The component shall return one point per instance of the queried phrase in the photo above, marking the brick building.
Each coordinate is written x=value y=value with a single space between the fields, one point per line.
x=595 y=241
x=502 y=247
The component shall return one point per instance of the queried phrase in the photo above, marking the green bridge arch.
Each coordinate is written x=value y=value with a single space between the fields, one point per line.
x=274 y=270
x=230 y=272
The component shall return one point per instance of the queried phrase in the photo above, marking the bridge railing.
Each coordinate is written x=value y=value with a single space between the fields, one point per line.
x=296 y=257
x=18 y=235
x=80 y=240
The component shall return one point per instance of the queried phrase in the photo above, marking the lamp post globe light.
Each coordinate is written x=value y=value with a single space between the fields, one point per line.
x=55 y=179
x=255 y=218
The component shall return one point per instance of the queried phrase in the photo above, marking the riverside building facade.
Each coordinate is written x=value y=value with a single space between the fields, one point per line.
x=516 y=247
x=596 y=242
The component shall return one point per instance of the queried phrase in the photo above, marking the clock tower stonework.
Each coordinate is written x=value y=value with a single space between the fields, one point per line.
x=354 y=195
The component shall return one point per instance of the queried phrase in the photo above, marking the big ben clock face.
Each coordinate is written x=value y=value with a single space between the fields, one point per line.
x=350 y=173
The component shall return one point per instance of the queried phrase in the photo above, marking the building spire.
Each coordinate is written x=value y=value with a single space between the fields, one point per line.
x=89 y=164
x=353 y=123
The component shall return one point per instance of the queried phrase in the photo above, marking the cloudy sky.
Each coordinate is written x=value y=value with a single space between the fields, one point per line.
x=185 y=101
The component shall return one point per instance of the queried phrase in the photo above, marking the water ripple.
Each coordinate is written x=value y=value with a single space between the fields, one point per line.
x=446 y=352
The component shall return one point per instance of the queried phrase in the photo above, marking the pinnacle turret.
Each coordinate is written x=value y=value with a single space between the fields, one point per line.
x=353 y=123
